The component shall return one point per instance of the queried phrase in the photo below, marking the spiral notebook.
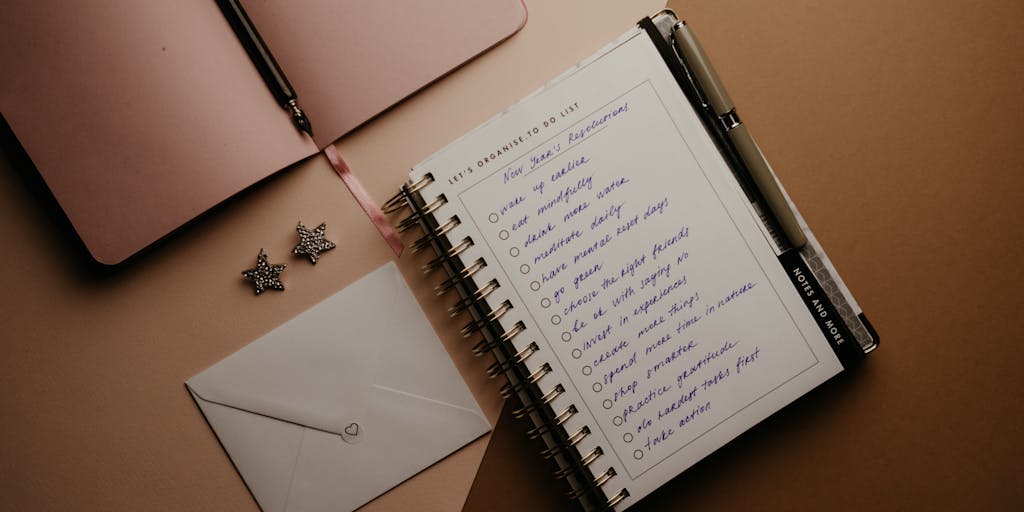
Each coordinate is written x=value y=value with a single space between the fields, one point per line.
x=630 y=282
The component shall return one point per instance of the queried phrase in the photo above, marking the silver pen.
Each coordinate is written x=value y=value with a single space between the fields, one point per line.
x=752 y=158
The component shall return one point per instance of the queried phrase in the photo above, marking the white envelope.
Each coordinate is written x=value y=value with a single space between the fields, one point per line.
x=341 y=403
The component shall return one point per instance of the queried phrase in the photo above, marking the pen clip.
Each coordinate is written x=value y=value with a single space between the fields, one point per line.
x=704 y=103
x=728 y=120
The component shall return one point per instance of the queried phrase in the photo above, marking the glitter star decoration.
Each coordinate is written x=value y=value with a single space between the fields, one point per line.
x=312 y=242
x=264 y=275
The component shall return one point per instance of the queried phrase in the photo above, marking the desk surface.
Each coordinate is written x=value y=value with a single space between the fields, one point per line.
x=911 y=108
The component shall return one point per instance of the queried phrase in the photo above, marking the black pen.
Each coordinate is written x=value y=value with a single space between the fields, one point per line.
x=264 y=61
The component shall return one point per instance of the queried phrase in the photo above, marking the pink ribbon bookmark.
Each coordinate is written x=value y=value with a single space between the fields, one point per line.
x=387 y=231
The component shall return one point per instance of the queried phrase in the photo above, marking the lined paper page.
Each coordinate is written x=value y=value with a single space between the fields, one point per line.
x=625 y=246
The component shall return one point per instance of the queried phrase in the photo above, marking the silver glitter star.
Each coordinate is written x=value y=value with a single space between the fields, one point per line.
x=264 y=275
x=312 y=243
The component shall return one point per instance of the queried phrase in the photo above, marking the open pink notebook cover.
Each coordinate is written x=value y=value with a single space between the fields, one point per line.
x=140 y=116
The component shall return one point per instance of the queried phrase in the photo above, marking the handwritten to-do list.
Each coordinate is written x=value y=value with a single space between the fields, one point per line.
x=642 y=286
x=632 y=268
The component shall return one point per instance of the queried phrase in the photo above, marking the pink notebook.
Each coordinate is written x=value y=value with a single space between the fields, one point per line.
x=142 y=115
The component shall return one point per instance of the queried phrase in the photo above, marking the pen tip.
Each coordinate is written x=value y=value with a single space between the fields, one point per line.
x=303 y=123
x=299 y=117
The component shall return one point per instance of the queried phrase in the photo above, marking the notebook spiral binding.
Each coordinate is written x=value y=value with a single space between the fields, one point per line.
x=548 y=424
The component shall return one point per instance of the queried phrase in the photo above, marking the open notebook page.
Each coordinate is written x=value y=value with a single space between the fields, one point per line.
x=139 y=115
x=349 y=60
x=628 y=250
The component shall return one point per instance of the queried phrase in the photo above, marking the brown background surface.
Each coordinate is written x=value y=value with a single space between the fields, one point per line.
x=891 y=124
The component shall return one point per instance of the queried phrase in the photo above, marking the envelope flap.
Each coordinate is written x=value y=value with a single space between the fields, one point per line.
x=404 y=434
x=316 y=369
